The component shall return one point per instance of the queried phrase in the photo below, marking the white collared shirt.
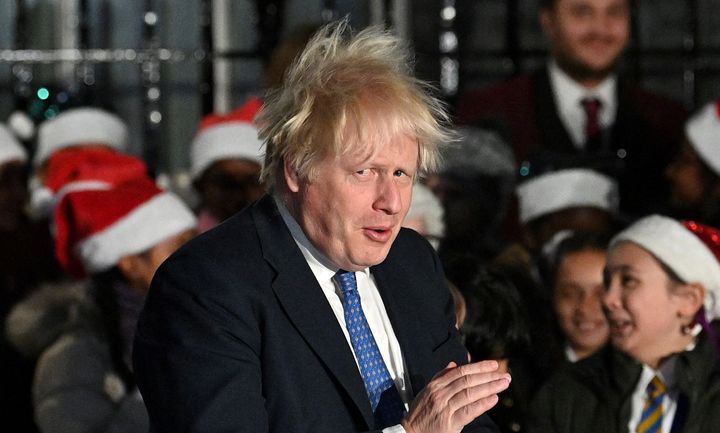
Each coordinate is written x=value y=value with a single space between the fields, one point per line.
x=570 y=354
x=372 y=305
x=568 y=95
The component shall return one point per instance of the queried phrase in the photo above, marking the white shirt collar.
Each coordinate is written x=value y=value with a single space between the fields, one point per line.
x=322 y=267
x=568 y=93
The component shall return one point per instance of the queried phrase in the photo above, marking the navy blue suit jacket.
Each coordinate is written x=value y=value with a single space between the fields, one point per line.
x=237 y=335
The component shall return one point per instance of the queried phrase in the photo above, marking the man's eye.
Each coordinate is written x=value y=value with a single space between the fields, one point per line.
x=363 y=172
x=399 y=173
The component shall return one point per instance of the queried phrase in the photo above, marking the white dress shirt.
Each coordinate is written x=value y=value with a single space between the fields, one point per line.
x=568 y=95
x=372 y=305
x=666 y=373
x=669 y=404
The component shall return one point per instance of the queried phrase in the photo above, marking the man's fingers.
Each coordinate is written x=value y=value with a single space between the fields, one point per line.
x=450 y=374
x=468 y=413
x=468 y=396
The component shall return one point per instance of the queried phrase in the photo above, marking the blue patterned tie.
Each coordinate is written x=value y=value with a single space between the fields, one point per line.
x=385 y=400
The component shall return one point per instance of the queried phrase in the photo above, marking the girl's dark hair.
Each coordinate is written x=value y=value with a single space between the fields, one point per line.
x=496 y=324
x=576 y=242
x=103 y=293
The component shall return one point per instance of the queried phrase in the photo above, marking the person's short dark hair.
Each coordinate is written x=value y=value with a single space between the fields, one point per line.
x=496 y=323
x=576 y=242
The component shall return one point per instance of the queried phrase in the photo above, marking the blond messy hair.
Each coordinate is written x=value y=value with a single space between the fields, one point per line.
x=349 y=93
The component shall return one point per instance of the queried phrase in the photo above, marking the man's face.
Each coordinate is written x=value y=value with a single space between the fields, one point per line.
x=229 y=185
x=587 y=36
x=691 y=182
x=353 y=208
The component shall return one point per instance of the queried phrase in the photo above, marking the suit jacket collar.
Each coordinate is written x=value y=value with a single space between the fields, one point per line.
x=552 y=131
x=301 y=297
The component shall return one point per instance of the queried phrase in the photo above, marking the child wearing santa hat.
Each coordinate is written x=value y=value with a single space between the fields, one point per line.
x=76 y=128
x=695 y=172
x=226 y=160
x=117 y=233
x=662 y=373
x=579 y=199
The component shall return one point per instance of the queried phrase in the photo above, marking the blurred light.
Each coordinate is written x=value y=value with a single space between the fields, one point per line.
x=62 y=97
x=448 y=42
x=449 y=75
x=524 y=171
x=43 y=93
x=151 y=18
x=448 y=13
x=52 y=111
x=153 y=93
x=155 y=117
x=621 y=153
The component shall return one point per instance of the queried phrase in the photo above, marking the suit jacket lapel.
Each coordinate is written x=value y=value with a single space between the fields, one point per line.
x=554 y=135
x=400 y=309
x=305 y=304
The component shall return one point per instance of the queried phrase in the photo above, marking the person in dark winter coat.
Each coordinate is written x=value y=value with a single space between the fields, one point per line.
x=117 y=235
x=662 y=372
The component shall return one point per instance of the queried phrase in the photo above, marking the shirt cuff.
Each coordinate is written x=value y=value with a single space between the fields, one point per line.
x=394 y=429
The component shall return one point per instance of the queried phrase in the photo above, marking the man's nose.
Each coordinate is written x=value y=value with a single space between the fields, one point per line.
x=388 y=199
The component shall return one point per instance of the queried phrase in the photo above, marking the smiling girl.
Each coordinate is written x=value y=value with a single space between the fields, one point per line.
x=662 y=372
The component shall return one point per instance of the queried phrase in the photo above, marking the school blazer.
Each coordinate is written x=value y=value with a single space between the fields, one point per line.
x=237 y=336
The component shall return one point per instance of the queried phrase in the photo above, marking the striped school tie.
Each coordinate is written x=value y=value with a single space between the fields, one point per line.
x=652 y=414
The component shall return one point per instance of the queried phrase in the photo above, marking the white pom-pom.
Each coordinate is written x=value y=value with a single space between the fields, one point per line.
x=22 y=125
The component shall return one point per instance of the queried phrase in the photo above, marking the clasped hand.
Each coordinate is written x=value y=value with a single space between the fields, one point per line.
x=455 y=397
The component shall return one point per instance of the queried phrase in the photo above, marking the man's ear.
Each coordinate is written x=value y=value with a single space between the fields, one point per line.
x=291 y=177
x=692 y=297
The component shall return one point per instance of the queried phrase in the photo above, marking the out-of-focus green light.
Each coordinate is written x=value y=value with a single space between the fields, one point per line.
x=524 y=171
x=43 y=93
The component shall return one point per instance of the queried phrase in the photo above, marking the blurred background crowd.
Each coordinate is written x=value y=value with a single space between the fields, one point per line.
x=128 y=128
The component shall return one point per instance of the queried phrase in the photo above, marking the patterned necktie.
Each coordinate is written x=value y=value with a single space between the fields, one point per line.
x=652 y=414
x=385 y=400
x=593 y=131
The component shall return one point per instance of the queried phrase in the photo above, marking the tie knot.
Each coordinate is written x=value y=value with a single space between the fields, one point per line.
x=656 y=387
x=346 y=280
x=591 y=104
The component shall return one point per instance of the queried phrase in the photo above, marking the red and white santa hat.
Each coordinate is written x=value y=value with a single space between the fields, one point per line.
x=703 y=132
x=10 y=147
x=229 y=136
x=74 y=169
x=95 y=228
x=690 y=249
x=80 y=126
x=564 y=189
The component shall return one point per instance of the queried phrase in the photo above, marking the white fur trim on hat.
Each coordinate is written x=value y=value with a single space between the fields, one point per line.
x=43 y=200
x=565 y=189
x=159 y=218
x=427 y=207
x=10 y=148
x=224 y=141
x=703 y=131
x=80 y=126
x=679 y=249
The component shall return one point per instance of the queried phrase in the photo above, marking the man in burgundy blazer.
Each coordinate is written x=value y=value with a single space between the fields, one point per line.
x=640 y=132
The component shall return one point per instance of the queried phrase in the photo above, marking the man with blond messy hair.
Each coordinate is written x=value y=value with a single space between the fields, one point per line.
x=312 y=310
